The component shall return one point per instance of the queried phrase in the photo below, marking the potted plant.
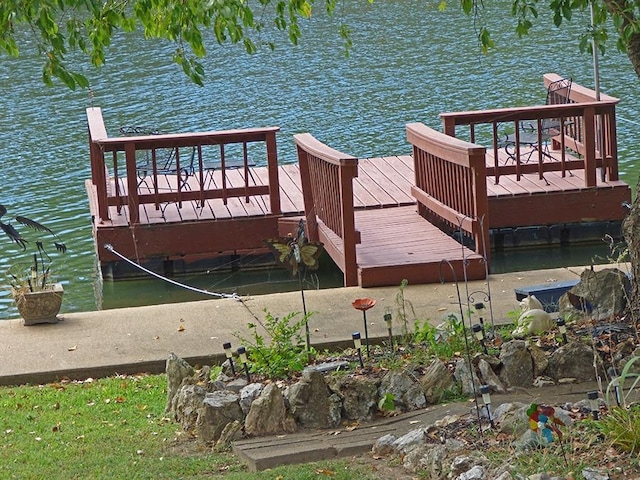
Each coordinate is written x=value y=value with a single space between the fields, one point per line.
x=38 y=299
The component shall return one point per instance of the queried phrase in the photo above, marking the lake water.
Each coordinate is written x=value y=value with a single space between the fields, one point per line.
x=409 y=62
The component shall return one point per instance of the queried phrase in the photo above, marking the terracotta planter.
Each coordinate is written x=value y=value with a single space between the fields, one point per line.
x=39 y=307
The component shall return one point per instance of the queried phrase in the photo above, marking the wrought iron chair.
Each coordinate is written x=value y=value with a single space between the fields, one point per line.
x=164 y=159
x=535 y=137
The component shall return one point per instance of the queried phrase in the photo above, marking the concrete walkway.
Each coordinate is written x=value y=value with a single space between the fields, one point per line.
x=131 y=340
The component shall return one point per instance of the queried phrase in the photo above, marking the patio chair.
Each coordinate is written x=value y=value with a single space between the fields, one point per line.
x=164 y=159
x=536 y=136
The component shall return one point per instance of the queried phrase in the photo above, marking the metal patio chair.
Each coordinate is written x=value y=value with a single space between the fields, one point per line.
x=535 y=137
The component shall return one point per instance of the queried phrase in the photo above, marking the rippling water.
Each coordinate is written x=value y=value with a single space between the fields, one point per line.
x=409 y=62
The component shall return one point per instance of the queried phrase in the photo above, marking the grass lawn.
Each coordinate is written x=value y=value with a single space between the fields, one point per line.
x=115 y=428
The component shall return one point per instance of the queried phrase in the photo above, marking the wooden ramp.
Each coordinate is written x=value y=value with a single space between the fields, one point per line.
x=397 y=244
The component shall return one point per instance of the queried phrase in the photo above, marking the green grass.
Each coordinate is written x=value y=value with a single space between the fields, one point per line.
x=115 y=428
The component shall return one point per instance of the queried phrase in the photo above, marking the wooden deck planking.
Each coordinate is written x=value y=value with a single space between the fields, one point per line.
x=388 y=179
x=398 y=244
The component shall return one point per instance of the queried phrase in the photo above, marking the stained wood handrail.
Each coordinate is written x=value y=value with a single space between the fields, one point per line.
x=327 y=177
x=589 y=131
x=100 y=144
x=450 y=184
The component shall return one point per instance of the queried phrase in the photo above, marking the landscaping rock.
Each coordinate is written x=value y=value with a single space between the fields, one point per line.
x=489 y=377
x=512 y=417
x=574 y=360
x=604 y=292
x=217 y=411
x=248 y=394
x=468 y=379
x=517 y=365
x=186 y=405
x=268 y=414
x=384 y=445
x=231 y=432
x=359 y=396
x=539 y=358
x=406 y=390
x=312 y=404
x=437 y=379
x=177 y=370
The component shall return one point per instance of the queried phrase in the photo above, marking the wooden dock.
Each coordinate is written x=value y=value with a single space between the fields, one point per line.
x=381 y=219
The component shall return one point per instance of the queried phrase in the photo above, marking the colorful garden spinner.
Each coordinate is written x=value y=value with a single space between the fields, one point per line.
x=543 y=421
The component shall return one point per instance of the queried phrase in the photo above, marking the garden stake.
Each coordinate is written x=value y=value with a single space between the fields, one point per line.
x=389 y=320
x=486 y=399
x=593 y=403
x=229 y=353
x=562 y=327
x=242 y=353
x=358 y=344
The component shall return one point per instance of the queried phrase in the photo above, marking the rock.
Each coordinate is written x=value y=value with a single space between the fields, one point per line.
x=268 y=414
x=475 y=473
x=177 y=370
x=594 y=474
x=517 y=365
x=384 y=445
x=311 y=403
x=430 y=458
x=575 y=359
x=426 y=458
x=231 y=432
x=604 y=294
x=359 y=396
x=437 y=379
x=462 y=466
x=406 y=442
x=217 y=411
x=186 y=405
x=248 y=394
x=540 y=359
x=407 y=392
x=528 y=441
x=490 y=378
x=237 y=384
x=464 y=377
x=512 y=417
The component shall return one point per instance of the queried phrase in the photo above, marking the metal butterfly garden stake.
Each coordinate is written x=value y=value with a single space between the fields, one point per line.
x=297 y=254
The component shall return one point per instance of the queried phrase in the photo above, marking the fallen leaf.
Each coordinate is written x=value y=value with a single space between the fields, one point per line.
x=181 y=328
x=119 y=400
x=328 y=473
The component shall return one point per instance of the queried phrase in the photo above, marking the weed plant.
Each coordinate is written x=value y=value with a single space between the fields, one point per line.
x=284 y=352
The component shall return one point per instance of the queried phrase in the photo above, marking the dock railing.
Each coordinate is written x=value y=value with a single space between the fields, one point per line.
x=327 y=184
x=587 y=139
x=115 y=188
x=450 y=184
